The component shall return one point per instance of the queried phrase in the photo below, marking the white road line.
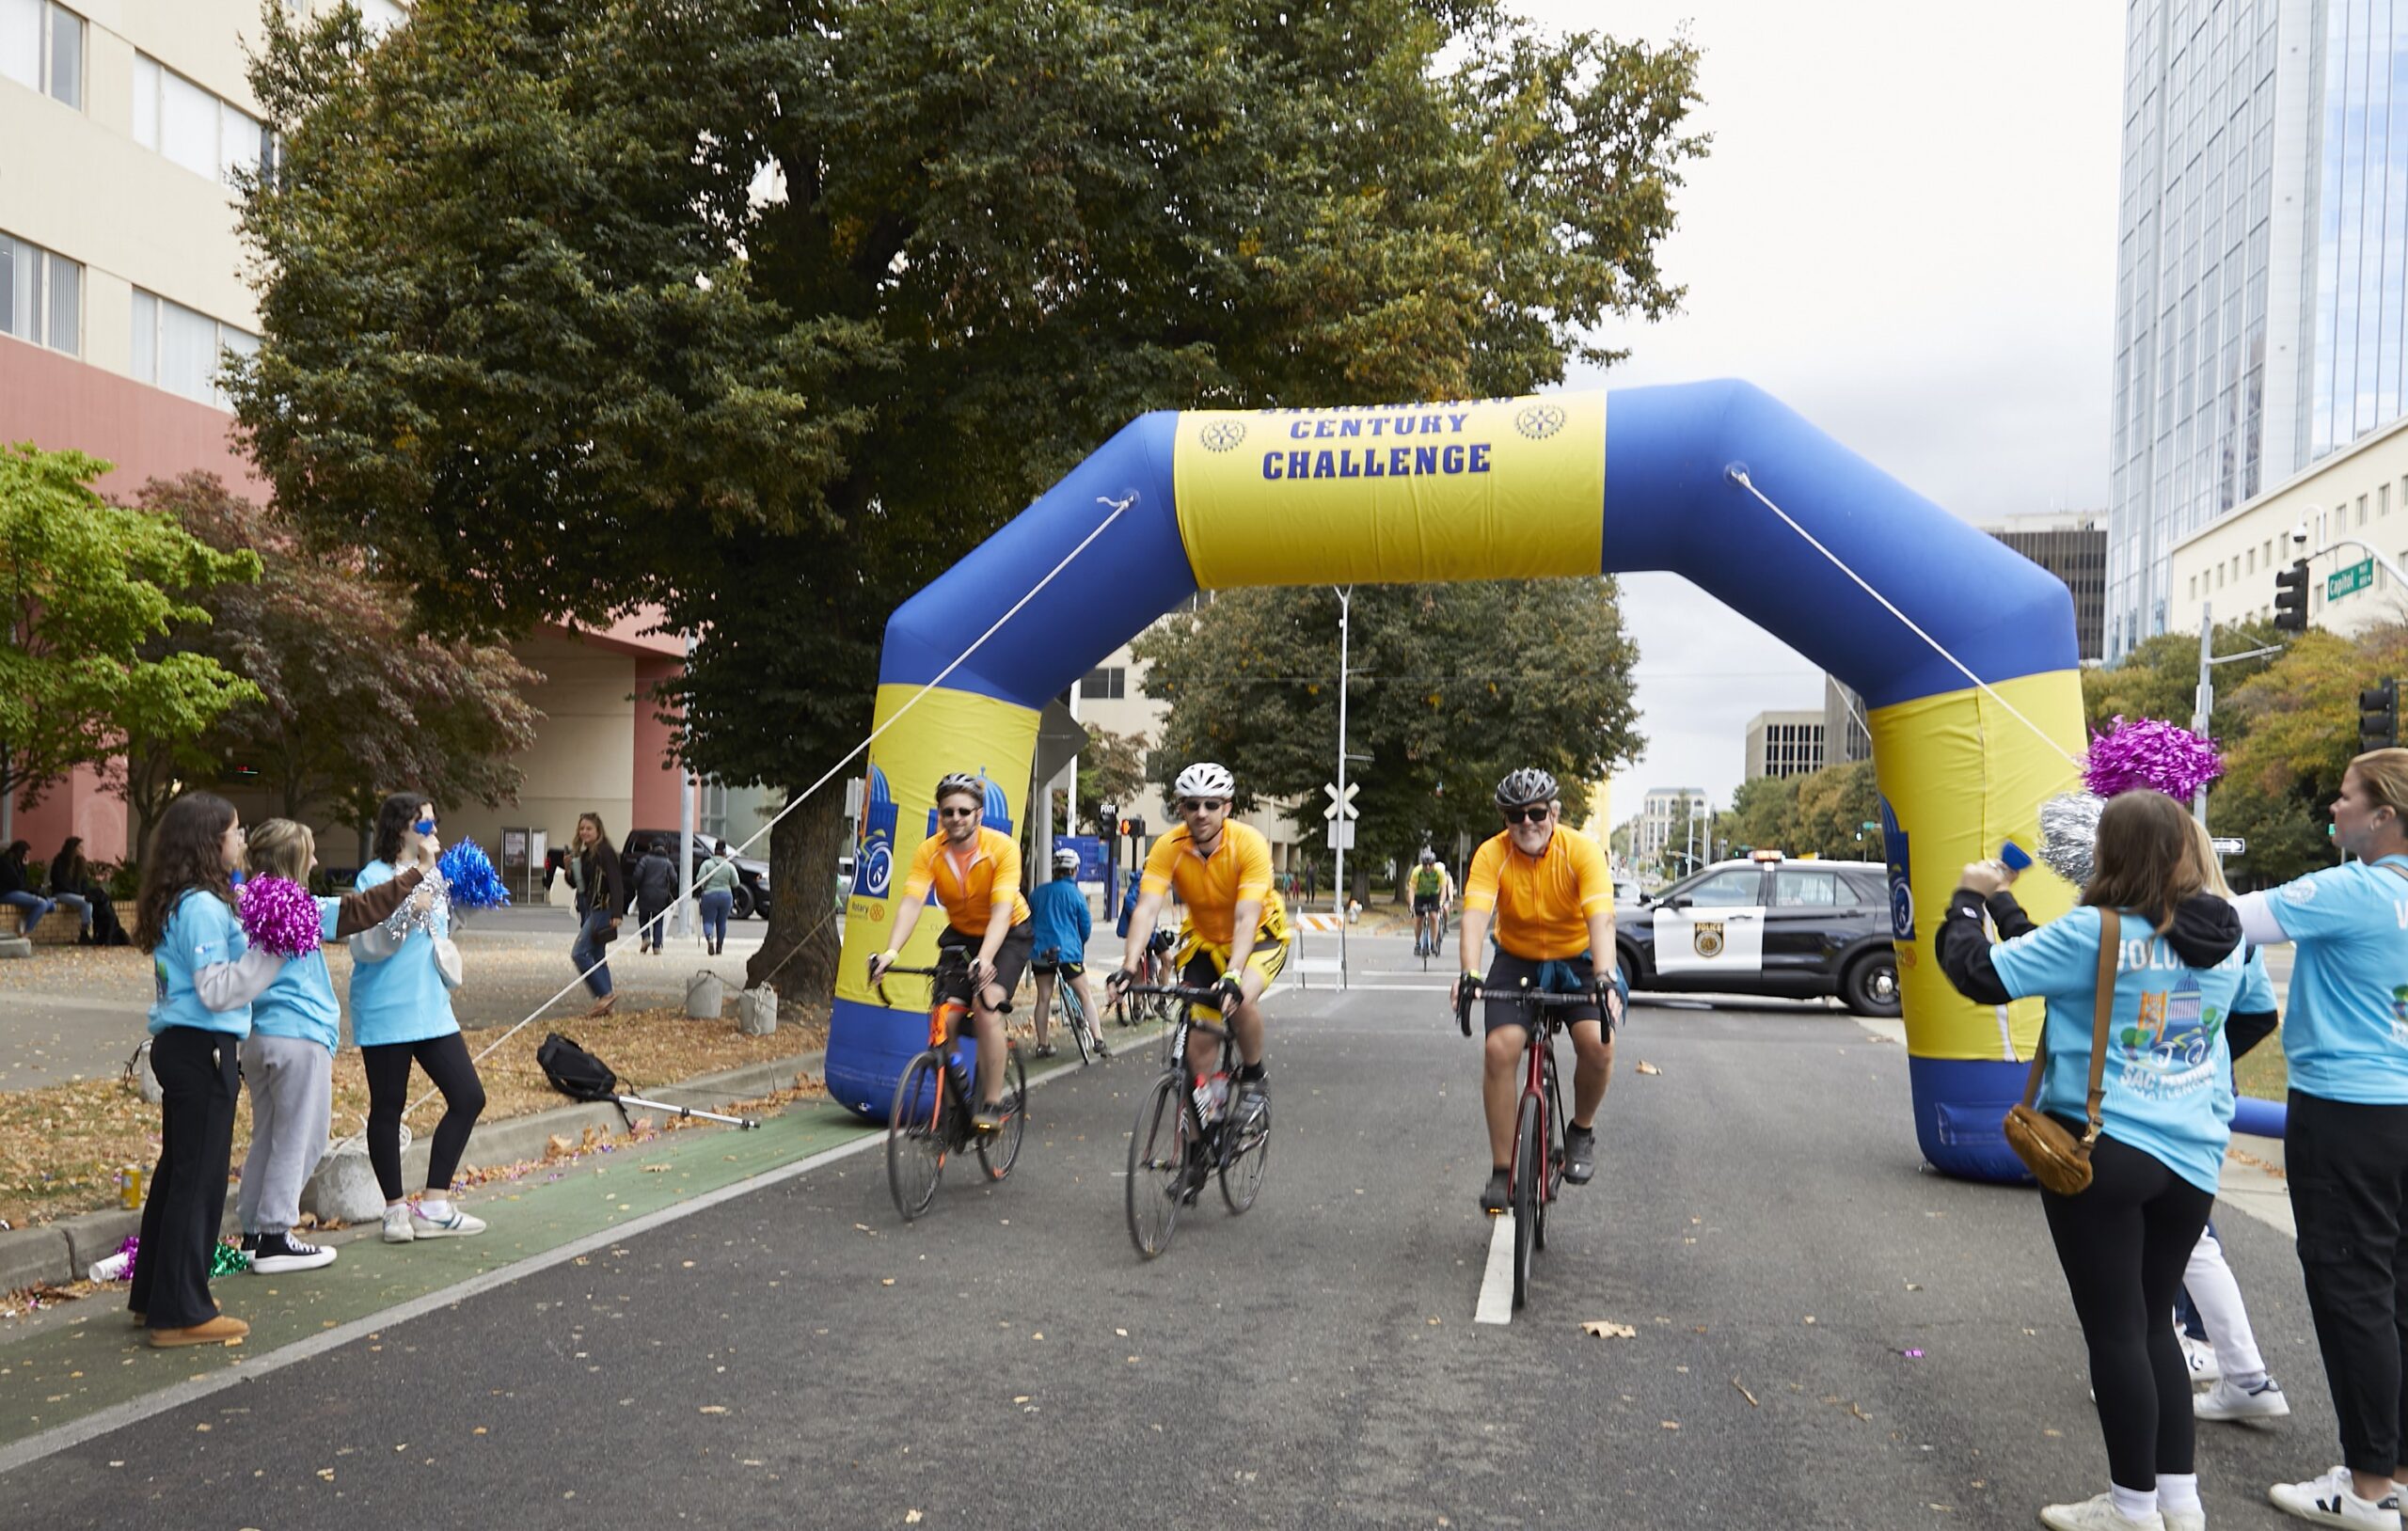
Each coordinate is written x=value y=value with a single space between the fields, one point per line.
x=1496 y=1283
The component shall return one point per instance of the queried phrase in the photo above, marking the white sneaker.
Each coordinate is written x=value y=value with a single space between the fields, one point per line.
x=458 y=1225
x=2184 y=1520
x=2329 y=1501
x=397 y=1224
x=2228 y=1399
x=2098 y=1513
x=2202 y=1357
x=279 y=1251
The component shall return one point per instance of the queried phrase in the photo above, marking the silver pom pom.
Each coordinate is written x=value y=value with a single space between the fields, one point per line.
x=410 y=916
x=2070 y=835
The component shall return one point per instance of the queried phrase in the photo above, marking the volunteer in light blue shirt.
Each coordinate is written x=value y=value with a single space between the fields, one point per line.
x=400 y=1013
x=2345 y=1139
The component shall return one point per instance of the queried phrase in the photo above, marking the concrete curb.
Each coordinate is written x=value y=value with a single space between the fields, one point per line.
x=59 y=1253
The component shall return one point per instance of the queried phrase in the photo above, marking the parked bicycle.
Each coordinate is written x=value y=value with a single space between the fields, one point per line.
x=933 y=1118
x=1189 y=1130
x=1537 y=1172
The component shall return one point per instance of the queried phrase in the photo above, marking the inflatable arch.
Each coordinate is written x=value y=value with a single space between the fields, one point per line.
x=1515 y=488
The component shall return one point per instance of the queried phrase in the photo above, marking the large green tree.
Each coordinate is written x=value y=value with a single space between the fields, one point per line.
x=2301 y=717
x=87 y=586
x=1448 y=687
x=769 y=309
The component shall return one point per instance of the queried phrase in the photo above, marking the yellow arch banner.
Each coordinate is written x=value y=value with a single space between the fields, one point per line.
x=1388 y=493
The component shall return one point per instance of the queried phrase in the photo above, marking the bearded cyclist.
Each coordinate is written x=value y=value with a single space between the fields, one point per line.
x=1552 y=899
x=1429 y=894
x=1237 y=928
x=975 y=873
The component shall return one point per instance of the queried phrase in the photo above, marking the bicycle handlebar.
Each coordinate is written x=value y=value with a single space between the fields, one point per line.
x=1537 y=998
x=1189 y=993
x=1003 y=1009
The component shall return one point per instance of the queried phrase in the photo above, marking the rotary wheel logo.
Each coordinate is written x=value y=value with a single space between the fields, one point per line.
x=1223 y=434
x=1539 y=421
x=878 y=867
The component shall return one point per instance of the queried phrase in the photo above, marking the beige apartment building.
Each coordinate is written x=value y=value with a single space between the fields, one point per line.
x=121 y=288
x=2228 y=569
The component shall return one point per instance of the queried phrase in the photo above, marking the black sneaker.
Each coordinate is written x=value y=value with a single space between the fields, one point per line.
x=989 y=1117
x=1580 y=1154
x=250 y=1242
x=1499 y=1195
x=281 y=1252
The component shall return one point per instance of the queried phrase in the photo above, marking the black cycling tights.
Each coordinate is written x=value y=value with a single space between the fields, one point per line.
x=2124 y=1243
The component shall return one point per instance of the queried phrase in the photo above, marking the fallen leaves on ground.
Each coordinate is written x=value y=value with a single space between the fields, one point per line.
x=1646 y=1067
x=1607 y=1329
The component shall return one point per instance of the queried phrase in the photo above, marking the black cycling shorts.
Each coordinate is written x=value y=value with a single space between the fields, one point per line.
x=1570 y=975
x=1425 y=903
x=1011 y=958
x=1052 y=961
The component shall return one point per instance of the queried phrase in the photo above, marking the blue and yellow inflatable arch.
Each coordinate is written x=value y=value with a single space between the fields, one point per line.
x=1516 y=488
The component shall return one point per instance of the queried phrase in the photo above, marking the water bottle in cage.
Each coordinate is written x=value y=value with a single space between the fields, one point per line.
x=958 y=1073
x=1213 y=1097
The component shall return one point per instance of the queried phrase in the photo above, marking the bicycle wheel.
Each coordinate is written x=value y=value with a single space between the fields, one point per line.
x=1000 y=1150
x=1525 y=1197
x=1555 y=1120
x=915 y=1145
x=1158 y=1155
x=1065 y=1016
x=1249 y=1151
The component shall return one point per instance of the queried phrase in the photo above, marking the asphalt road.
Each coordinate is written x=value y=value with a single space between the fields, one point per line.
x=797 y=1356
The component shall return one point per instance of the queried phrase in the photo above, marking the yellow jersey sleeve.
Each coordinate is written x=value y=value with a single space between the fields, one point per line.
x=1480 y=880
x=1596 y=879
x=1254 y=866
x=923 y=873
x=1004 y=879
x=1161 y=862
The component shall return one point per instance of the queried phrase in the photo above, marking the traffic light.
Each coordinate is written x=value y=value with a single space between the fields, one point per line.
x=1133 y=827
x=2379 y=716
x=2291 y=598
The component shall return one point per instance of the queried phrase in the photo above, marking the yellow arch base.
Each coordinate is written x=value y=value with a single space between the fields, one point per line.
x=1962 y=774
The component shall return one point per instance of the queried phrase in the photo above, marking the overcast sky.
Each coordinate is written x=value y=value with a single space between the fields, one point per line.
x=1905 y=231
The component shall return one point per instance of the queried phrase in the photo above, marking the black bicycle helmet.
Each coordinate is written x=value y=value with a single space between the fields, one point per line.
x=1527 y=785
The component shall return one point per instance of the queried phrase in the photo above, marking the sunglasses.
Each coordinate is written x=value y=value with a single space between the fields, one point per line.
x=956 y=813
x=1537 y=815
x=1192 y=805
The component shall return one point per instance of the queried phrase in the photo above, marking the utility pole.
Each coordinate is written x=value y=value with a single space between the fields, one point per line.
x=2203 y=704
x=1338 y=852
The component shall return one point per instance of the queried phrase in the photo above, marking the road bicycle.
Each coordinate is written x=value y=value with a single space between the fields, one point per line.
x=933 y=1115
x=1071 y=1015
x=1190 y=1129
x=1537 y=1172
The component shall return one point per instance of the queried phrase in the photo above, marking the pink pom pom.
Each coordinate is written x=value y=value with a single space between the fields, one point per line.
x=2147 y=752
x=280 y=917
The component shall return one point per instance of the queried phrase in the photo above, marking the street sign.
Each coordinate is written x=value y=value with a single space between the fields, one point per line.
x=1330 y=788
x=2230 y=844
x=2349 y=581
x=1341 y=834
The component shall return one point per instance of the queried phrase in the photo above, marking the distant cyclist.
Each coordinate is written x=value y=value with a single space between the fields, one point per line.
x=1553 y=901
x=975 y=873
x=1059 y=919
x=1429 y=895
x=1237 y=927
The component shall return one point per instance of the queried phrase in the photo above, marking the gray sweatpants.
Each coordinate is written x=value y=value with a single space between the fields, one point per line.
x=293 y=1098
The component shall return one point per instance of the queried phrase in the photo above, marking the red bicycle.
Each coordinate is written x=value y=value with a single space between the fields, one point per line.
x=1537 y=1173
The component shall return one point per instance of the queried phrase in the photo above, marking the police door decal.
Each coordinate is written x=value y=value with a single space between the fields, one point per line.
x=1705 y=940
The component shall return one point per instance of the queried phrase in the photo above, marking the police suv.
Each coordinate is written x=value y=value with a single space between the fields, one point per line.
x=1796 y=929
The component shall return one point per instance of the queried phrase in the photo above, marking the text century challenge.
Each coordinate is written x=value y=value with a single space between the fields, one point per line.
x=1377 y=462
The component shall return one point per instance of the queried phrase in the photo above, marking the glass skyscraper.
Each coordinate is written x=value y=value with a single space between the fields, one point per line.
x=2261 y=265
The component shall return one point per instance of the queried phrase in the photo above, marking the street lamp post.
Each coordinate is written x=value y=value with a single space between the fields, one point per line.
x=1338 y=831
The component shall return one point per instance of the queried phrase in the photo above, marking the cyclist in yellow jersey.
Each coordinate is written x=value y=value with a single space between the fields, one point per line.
x=1552 y=898
x=974 y=872
x=1237 y=927
x=1430 y=888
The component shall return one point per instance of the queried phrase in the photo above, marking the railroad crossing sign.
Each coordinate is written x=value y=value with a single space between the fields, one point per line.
x=1337 y=802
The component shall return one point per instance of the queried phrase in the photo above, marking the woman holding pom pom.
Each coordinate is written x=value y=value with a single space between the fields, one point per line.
x=400 y=1013
x=288 y=1060
x=207 y=977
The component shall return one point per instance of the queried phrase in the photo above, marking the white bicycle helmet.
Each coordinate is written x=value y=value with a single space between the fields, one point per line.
x=960 y=781
x=1205 y=780
x=1525 y=786
x=1066 y=860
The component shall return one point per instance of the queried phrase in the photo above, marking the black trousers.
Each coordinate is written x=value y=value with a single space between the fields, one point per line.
x=447 y=1062
x=2123 y=1244
x=2348 y=1169
x=199 y=1073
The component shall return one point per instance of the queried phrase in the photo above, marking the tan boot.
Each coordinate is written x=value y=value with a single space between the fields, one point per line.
x=218 y=1330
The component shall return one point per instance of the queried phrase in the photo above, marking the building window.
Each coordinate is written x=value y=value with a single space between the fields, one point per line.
x=189 y=125
x=42 y=47
x=2383 y=499
x=2362 y=510
x=1107 y=684
x=181 y=350
x=41 y=297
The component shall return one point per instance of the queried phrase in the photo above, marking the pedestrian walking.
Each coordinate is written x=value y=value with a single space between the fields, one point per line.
x=400 y=1013
x=715 y=897
x=601 y=903
x=2345 y=1142
x=656 y=891
x=2157 y=1118
x=207 y=978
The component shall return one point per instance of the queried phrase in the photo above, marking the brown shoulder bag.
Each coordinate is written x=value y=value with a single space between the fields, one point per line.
x=2056 y=1159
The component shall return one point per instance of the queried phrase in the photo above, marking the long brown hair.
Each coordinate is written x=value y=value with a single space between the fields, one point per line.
x=601 y=850
x=2145 y=860
x=281 y=848
x=182 y=855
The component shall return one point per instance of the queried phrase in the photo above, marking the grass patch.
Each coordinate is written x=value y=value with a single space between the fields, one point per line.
x=2264 y=1073
x=61 y=1147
